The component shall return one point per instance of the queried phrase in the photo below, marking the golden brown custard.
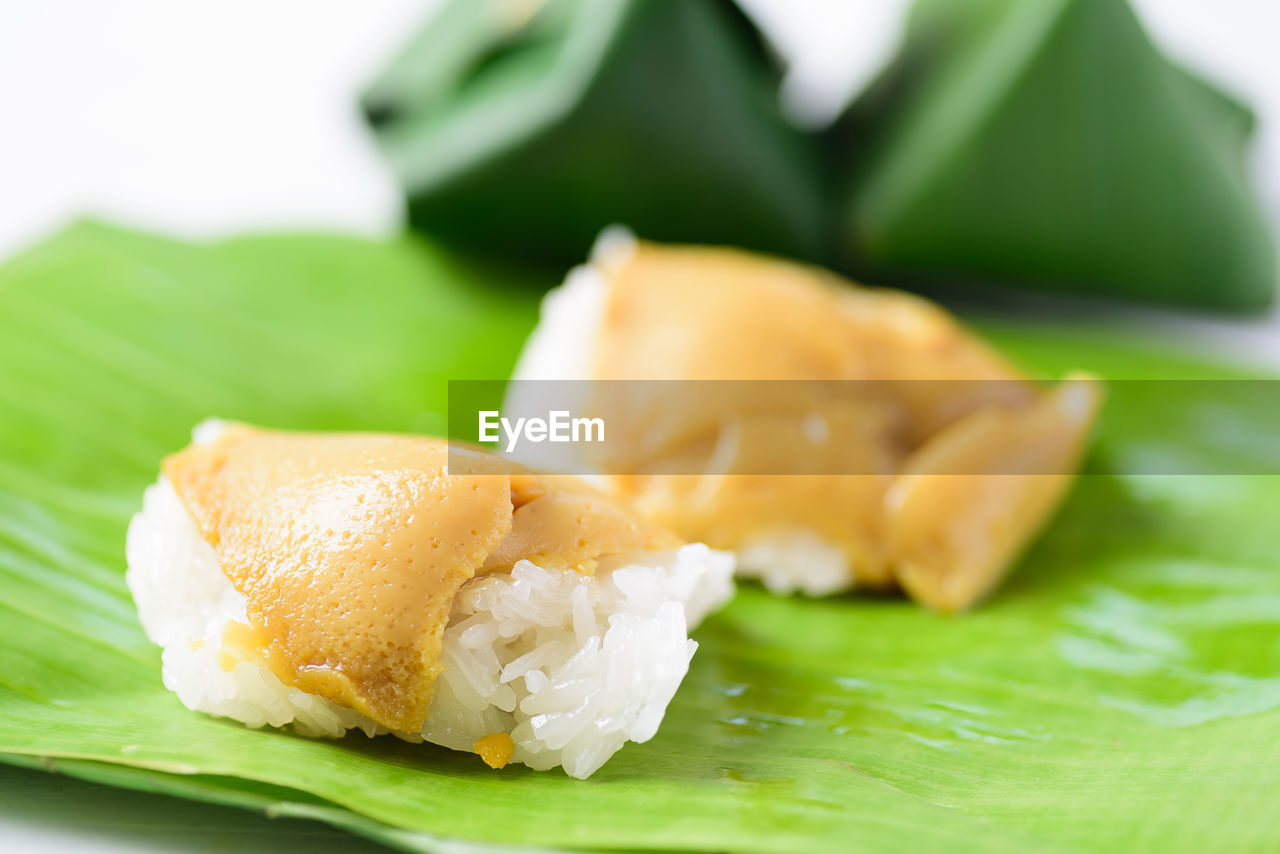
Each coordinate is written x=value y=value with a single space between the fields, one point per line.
x=968 y=502
x=692 y=313
x=496 y=749
x=561 y=523
x=350 y=549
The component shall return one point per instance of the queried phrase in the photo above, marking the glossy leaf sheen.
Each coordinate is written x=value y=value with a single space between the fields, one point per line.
x=1120 y=693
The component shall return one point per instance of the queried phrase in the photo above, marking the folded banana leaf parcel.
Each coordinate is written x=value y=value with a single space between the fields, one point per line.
x=524 y=128
x=1042 y=144
x=1120 y=694
x=1049 y=143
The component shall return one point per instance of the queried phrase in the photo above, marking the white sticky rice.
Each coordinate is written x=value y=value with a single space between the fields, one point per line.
x=786 y=559
x=570 y=666
x=794 y=560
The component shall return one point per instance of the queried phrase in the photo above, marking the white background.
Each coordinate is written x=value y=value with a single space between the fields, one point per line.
x=207 y=118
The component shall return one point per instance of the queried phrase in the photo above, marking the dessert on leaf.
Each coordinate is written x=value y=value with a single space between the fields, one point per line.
x=398 y=584
x=833 y=436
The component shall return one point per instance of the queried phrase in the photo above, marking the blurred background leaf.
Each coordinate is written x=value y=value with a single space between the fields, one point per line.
x=1043 y=144
x=1051 y=145
x=523 y=129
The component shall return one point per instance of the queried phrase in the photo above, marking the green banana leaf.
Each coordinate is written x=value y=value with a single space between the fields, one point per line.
x=526 y=134
x=1049 y=144
x=1121 y=693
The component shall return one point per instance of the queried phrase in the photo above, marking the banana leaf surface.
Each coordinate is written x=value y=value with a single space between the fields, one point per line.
x=1121 y=693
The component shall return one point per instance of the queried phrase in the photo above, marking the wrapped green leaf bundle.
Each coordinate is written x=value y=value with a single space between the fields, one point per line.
x=1045 y=144
x=529 y=126
x=1051 y=145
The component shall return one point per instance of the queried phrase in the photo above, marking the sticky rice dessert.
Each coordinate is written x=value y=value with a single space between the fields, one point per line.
x=350 y=581
x=933 y=477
